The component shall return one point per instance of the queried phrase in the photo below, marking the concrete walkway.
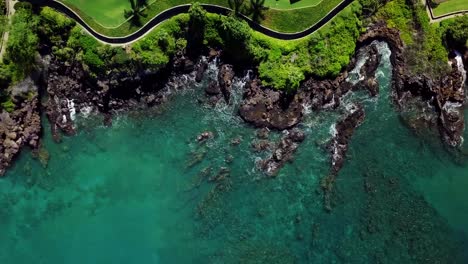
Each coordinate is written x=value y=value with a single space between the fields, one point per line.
x=176 y=10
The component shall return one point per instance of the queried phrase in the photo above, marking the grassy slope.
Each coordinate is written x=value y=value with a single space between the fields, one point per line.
x=109 y=13
x=450 y=6
x=279 y=20
x=286 y=4
x=298 y=19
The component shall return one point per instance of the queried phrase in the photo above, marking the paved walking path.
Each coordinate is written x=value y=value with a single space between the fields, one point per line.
x=168 y=13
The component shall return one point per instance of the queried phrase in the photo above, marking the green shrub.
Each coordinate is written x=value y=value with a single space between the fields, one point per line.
x=23 y=5
x=54 y=28
x=455 y=32
x=5 y=76
x=22 y=43
x=86 y=49
x=397 y=14
x=8 y=105
x=196 y=29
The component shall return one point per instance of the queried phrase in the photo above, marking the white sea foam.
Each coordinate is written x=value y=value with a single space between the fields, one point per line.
x=71 y=109
x=355 y=75
x=86 y=111
x=333 y=130
x=461 y=67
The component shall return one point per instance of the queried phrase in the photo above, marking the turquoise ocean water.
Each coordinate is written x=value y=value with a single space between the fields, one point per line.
x=143 y=192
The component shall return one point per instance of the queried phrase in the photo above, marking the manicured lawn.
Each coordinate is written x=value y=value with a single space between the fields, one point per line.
x=298 y=19
x=109 y=13
x=286 y=4
x=292 y=20
x=450 y=6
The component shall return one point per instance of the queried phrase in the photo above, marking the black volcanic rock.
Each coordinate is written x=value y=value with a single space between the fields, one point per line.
x=282 y=152
x=225 y=77
x=262 y=107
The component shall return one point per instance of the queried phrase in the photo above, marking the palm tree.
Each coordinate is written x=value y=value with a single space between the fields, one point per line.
x=257 y=8
x=136 y=12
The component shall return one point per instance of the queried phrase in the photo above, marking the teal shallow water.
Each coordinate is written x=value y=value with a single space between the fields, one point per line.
x=139 y=192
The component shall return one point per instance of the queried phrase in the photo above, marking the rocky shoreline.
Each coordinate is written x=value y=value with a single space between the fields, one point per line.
x=21 y=127
x=70 y=90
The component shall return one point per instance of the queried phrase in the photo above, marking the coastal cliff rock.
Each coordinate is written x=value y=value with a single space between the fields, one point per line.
x=71 y=91
x=445 y=95
x=225 y=77
x=263 y=107
x=21 y=127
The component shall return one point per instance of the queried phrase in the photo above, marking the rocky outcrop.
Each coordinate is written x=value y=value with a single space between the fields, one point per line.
x=72 y=91
x=21 y=127
x=450 y=101
x=445 y=94
x=338 y=146
x=369 y=69
x=264 y=107
x=344 y=131
x=381 y=32
x=225 y=77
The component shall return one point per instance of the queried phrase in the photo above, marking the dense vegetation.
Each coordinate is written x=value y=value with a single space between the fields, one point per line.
x=284 y=64
x=3 y=22
x=281 y=64
x=425 y=52
x=456 y=32
x=20 y=53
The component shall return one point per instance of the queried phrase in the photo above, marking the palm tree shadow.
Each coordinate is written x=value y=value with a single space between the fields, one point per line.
x=136 y=13
x=257 y=10
x=237 y=6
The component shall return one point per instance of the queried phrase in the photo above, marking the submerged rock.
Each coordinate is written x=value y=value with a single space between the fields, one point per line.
x=205 y=136
x=213 y=88
x=338 y=147
x=344 y=131
x=282 y=152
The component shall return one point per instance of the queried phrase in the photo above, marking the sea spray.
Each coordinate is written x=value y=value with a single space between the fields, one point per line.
x=71 y=109
x=355 y=74
x=461 y=67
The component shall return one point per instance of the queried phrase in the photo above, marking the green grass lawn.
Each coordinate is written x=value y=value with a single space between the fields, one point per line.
x=286 y=4
x=109 y=13
x=298 y=19
x=450 y=6
x=102 y=15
